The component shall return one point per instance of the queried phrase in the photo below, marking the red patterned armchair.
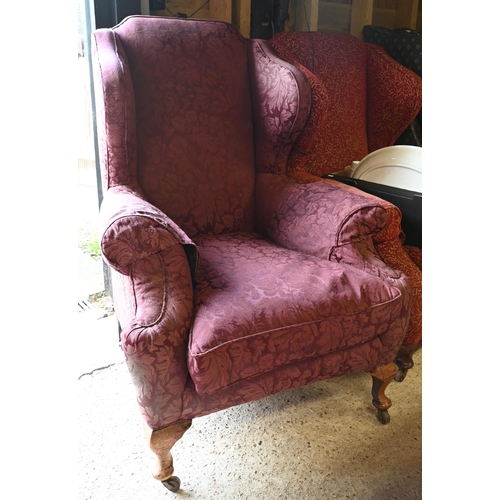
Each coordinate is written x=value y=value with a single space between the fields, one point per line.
x=362 y=100
x=231 y=281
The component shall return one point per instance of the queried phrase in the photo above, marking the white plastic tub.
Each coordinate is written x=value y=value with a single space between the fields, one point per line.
x=397 y=166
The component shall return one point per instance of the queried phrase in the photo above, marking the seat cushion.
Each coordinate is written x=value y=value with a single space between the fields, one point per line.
x=259 y=306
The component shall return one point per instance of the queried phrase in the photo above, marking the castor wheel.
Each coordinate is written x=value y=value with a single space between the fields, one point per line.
x=173 y=483
x=401 y=375
x=383 y=416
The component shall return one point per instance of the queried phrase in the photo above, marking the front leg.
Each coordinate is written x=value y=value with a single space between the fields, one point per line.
x=404 y=359
x=161 y=442
x=381 y=378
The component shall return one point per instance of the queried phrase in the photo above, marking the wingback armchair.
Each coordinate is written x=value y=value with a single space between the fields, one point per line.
x=231 y=281
x=362 y=100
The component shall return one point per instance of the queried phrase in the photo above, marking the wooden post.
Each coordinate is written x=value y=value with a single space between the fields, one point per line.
x=406 y=14
x=221 y=10
x=361 y=15
x=241 y=16
x=306 y=15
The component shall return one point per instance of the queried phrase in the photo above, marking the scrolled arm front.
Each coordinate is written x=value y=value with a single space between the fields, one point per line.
x=133 y=229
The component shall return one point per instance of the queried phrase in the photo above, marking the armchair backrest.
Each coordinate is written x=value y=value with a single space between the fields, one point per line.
x=371 y=98
x=340 y=64
x=179 y=100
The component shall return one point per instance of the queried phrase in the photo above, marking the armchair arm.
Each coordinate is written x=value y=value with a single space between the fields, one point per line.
x=152 y=296
x=154 y=304
x=133 y=229
x=317 y=217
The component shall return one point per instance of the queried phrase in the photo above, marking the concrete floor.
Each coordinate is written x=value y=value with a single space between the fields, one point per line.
x=318 y=442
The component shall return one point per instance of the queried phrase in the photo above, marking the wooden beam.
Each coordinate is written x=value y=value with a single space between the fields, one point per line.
x=361 y=15
x=406 y=14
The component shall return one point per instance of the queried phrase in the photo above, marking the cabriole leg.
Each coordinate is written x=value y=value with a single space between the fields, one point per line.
x=161 y=442
x=404 y=360
x=381 y=378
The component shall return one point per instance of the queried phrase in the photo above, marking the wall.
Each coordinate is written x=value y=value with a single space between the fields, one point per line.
x=349 y=16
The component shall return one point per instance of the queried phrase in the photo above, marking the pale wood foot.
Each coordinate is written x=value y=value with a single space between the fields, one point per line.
x=161 y=442
x=381 y=378
x=404 y=360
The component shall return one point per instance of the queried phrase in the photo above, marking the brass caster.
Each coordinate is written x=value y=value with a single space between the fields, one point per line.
x=401 y=375
x=383 y=417
x=173 y=483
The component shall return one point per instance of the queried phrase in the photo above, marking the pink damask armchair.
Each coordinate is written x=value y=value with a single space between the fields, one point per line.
x=231 y=281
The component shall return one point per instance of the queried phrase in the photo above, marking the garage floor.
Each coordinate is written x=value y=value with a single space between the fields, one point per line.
x=318 y=442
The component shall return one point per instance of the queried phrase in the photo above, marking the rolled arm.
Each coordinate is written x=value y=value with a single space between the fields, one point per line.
x=152 y=297
x=154 y=304
x=133 y=229
x=315 y=218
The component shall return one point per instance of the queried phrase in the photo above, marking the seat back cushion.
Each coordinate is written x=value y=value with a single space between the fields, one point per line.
x=195 y=159
x=339 y=61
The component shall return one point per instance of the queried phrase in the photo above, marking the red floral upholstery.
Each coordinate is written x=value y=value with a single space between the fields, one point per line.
x=415 y=255
x=343 y=133
x=231 y=281
x=369 y=96
x=362 y=100
x=394 y=97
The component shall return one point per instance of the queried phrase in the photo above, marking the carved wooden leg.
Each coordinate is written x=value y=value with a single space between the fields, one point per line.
x=382 y=377
x=404 y=360
x=161 y=442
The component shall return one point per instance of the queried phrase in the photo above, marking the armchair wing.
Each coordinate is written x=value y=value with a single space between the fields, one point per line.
x=115 y=111
x=390 y=86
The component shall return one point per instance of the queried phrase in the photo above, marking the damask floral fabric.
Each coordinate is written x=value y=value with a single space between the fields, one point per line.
x=394 y=96
x=314 y=218
x=415 y=255
x=319 y=110
x=339 y=62
x=193 y=121
x=259 y=306
x=371 y=98
x=389 y=246
x=190 y=113
x=155 y=306
x=363 y=357
x=134 y=229
x=407 y=260
x=115 y=111
x=281 y=101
